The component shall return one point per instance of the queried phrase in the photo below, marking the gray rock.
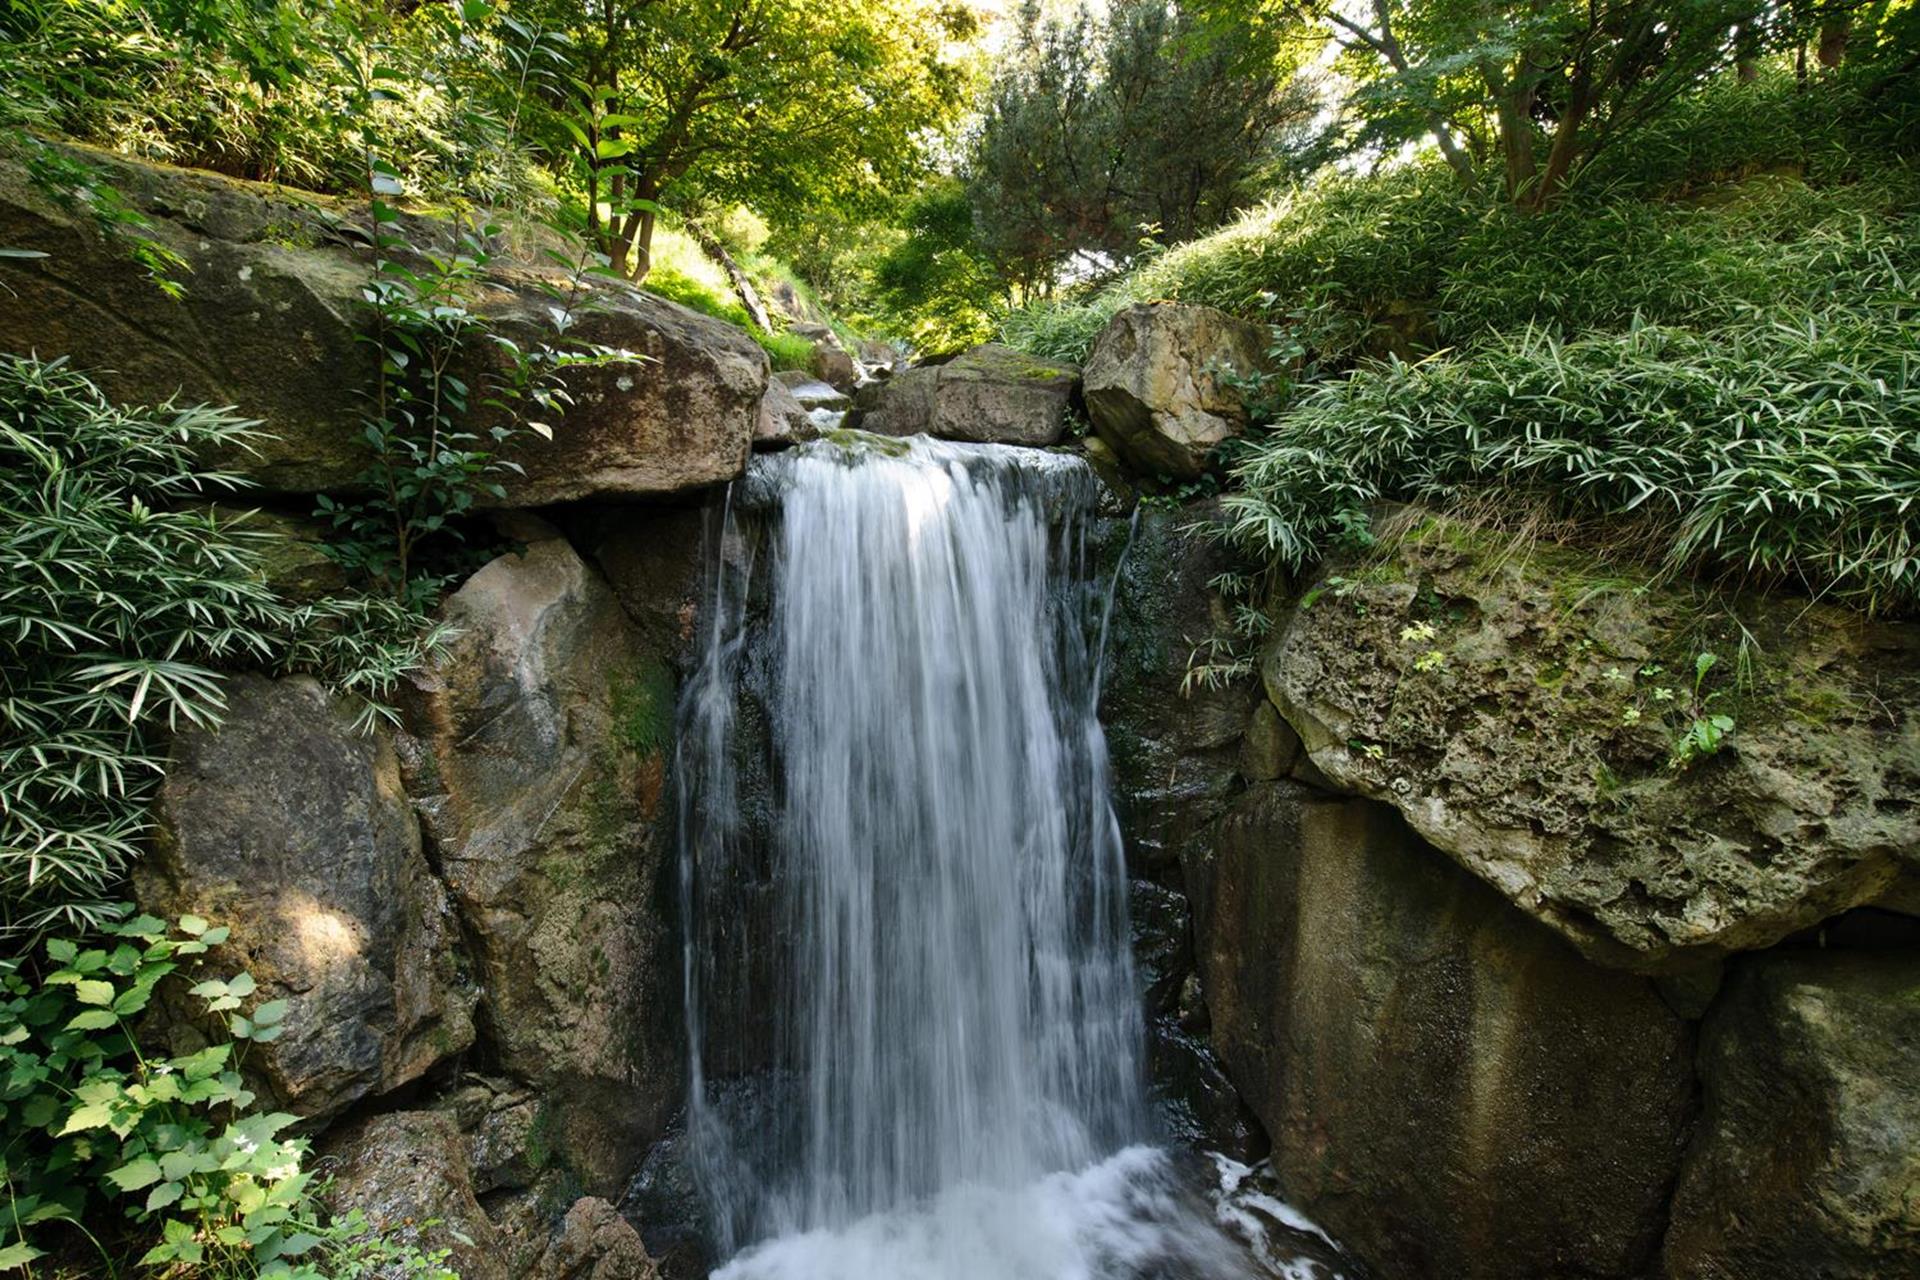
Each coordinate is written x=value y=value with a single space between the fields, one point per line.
x=1450 y=1089
x=536 y=750
x=292 y=828
x=1518 y=754
x=1807 y=1161
x=990 y=395
x=1175 y=752
x=782 y=419
x=811 y=392
x=1271 y=746
x=270 y=325
x=1153 y=384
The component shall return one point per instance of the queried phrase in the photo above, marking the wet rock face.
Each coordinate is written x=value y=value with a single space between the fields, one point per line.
x=271 y=324
x=1534 y=749
x=536 y=750
x=1154 y=387
x=1808 y=1156
x=1452 y=1090
x=988 y=395
x=1175 y=752
x=291 y=827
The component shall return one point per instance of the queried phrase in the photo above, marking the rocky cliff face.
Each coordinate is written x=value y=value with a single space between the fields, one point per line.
x=468 y=914
x=1509 y=992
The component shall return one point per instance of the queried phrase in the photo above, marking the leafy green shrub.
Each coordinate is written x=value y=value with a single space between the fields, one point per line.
x=696 y=296
x=118 y=599
x=121 y=596
x=1059 y=330
x=1754 y=196
x=90 y=1123
x=784 y=350
x=1781 y=452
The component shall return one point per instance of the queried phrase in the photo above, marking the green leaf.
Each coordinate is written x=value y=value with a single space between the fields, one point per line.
x=135 y=1174
x=18 y=1254
x=92 y=1020
x=163 y=1195
x=194 y=925
x=93 y=991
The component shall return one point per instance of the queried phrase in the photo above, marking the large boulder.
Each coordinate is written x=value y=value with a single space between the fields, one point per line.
x=593 y=1242
x=536 y=750
x=290 y=826
x=1807 y=1161
x=1155 y=388
x=1450 y=1089
x=988 y=395
x=830 y=360
x=1510 y=704
x=271 y=321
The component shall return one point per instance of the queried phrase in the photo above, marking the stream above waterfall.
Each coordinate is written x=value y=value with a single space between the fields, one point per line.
x=915 y=1029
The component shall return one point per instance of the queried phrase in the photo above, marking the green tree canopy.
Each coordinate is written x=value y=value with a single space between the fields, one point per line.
x=1154 y=121
x=782 y=105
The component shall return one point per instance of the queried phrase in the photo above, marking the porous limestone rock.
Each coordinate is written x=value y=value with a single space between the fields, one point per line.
x=1450 y=1089
x=990 y=394
x=536 y=751
x=1807 y=1161
x=290 y=826
x=1154 y=386
x=269 y=324
x=1507 y=700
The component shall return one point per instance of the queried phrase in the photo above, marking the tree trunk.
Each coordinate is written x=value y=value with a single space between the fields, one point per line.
x=743 y=287
x=1833 y=41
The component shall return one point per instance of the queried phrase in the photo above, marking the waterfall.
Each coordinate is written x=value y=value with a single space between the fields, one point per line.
x=915 y=1033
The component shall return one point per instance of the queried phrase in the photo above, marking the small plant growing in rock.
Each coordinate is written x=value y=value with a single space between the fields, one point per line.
x=1423 y=634
x=1697 y=730
x=1705 y=732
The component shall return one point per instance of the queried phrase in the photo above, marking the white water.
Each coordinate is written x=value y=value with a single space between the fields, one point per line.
x=945 y=1079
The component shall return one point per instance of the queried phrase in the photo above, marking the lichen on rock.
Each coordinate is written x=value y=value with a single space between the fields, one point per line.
x=1507 y=700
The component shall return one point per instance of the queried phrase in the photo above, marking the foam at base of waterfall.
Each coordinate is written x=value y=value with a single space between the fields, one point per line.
x=1129 y=1217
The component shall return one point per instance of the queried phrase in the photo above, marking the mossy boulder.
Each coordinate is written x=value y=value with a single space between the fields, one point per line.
x=990 y=394
x=536 y=751
x=1160 y=384
x=271 y=324
x=1526 y=707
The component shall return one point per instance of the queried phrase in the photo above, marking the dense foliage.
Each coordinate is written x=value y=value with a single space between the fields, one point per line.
x=1145 y=122
x=1776 y=452
x=125 y=593
x=93 y=1129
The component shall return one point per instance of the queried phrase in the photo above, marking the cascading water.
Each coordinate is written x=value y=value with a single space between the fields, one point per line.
x=916 y=1038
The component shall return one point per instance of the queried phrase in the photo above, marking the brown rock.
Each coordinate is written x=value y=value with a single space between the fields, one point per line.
x=270 y=325
x=536 y=749
x=1153 y=384
x=1450 y=1089
x=1807 y=1161
x=291 y=827
x=407 y=1172
x=988 y=395
x=1536 y=753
